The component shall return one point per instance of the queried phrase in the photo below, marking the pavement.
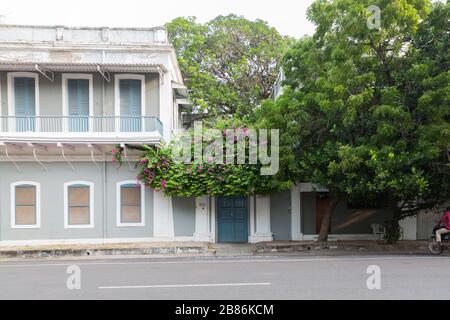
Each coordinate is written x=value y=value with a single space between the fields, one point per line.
x=196 y=249
x=241 y=278
x=333 y=247
x=154 y=249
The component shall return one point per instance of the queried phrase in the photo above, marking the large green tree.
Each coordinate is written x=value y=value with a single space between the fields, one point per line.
x=229 y=63
x=365 y=112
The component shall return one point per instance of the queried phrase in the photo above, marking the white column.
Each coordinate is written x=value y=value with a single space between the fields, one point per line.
x=162 y=216
x=252 y=214
x=296 y=209
x=202 y=222
x=262 y=220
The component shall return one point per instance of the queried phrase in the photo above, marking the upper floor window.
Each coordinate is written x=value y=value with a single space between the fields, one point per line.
x=77 y=101
x=23 y=100
x=78 y=204
x=130 y=101
x=25 y=205
x=130 y=204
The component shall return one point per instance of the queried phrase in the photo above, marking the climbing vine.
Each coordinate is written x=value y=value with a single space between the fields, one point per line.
x=157 y=169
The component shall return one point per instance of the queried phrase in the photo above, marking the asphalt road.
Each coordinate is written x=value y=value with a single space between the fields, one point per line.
x=400 y=277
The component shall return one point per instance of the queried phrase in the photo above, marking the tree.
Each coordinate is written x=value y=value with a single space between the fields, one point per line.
x=351 y=122
x=229 y=63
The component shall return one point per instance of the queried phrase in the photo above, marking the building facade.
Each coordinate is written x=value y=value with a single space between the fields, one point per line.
x=68 y=96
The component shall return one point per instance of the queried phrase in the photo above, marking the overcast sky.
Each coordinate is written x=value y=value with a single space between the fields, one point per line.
x=288 y=16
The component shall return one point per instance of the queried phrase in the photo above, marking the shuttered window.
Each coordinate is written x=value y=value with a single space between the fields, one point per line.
x=79 y=205
x=130 y=204
x=25 y=205
x=130 y=104
x=78 y=104
x=25 y=103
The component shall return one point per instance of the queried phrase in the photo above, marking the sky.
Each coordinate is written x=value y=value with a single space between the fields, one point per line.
x=287 y=16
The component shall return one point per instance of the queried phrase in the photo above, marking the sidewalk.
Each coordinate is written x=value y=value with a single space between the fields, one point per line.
x=197 y=249
x=356 y=246
x=154 y=249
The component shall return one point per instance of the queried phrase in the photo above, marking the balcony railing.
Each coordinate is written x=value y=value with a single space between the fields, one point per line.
x=79 y=124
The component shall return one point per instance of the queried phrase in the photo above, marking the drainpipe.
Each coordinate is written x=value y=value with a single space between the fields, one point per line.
x=104 y=213
x=105 y=220
x=254 y=214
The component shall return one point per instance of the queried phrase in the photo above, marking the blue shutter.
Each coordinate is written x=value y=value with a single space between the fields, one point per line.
x=130 y=104
x=78 y=104
x=24 y=103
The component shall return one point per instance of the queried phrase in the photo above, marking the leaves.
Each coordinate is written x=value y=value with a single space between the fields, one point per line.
x=229 y=63
x=159 y=170
x=365 y=113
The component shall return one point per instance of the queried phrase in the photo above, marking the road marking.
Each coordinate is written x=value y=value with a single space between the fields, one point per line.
x=189 y=285
x=256 y=260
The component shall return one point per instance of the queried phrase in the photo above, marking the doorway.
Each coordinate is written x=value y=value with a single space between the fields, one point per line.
x=232 y=219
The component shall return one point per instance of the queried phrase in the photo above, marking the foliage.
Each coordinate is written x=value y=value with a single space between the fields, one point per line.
x=160 y=170
x=117 y=155
x=229 y=64
x=365 y=113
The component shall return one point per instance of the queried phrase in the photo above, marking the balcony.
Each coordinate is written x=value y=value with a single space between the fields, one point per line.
x=105 y=128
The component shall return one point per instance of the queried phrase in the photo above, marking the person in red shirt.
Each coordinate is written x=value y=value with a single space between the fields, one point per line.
x=445 y=222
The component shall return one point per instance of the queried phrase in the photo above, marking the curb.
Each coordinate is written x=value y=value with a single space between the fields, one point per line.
x=58 y=253
x=333 y=246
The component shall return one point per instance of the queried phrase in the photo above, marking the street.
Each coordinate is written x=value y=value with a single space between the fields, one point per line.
x=282 y=277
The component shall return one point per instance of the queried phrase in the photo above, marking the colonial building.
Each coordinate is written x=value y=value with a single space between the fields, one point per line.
x=67 y=97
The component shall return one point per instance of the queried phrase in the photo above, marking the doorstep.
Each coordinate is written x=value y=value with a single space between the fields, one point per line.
x=149 y=249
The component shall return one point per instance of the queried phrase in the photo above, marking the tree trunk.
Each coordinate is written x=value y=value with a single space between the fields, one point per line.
x=326 y=219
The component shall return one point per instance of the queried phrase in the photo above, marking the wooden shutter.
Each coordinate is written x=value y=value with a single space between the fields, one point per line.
x=130 y=97
x=78 y=97
x=130 y=204
x=24 y=96
x=25 y=205
x=79 y=202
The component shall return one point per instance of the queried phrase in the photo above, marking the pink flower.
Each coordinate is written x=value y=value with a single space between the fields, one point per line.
x=245 y=132
x=164 y=183
x=114 y=151
x=200 y=169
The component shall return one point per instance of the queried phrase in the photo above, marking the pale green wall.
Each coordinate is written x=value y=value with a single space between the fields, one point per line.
x=52 y=208
x=184 y=216
x=280 y=215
